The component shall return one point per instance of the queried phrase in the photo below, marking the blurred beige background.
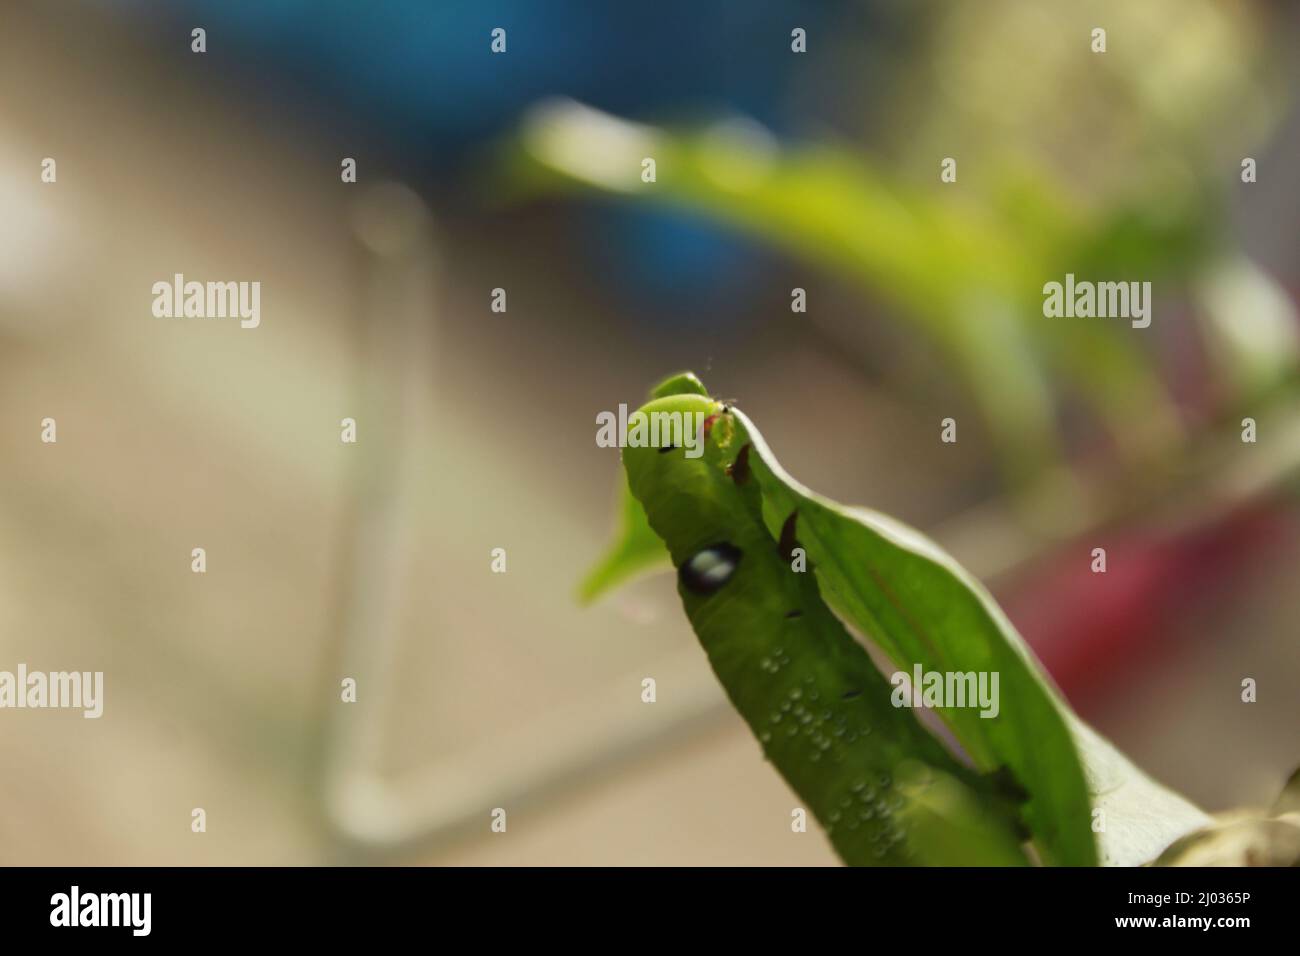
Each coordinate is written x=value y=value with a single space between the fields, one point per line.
x=222 y=688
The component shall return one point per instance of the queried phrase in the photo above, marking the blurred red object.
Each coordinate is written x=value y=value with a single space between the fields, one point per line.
x=1083 y=624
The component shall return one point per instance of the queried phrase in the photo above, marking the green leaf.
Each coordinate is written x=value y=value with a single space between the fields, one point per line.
x=914 y=602
x=637 y=550
x=886 y=791
x=920 y=608
x=952 y=274
x=965 y=270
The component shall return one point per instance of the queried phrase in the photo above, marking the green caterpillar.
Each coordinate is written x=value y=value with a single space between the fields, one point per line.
x=885 y=791
x=883 y=788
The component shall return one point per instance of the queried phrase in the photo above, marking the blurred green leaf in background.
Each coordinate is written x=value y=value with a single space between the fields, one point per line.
x=1126 y=182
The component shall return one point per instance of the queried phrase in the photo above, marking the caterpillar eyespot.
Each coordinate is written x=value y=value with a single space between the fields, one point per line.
x=709 y=568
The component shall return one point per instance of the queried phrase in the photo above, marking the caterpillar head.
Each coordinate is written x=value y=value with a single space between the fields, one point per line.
x=680 y=459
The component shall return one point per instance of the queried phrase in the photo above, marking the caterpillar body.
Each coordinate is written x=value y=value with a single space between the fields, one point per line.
x=884 y=789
